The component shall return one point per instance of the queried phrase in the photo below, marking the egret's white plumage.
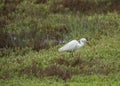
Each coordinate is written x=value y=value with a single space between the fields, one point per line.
x=73 y=45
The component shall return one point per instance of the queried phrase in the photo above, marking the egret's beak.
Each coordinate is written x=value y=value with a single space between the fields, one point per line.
x=88 y=43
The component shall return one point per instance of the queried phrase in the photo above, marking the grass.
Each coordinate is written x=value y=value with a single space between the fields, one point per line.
x=103 y=58
x=79 y=80
x=94 y=65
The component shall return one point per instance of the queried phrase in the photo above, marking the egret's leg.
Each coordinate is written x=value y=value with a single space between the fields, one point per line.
x=72 y=53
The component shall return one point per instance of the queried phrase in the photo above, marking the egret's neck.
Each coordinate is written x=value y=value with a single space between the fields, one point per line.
x=81 y=44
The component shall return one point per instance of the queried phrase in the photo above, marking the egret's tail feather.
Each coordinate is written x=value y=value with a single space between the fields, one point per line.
x=60 y=50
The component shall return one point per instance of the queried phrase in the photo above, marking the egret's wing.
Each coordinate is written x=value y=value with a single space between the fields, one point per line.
x=69 y=46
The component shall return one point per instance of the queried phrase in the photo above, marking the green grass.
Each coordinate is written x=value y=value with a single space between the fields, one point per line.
x=105 y=50
x=94 y=65
x=94 y=80
x=97 y=64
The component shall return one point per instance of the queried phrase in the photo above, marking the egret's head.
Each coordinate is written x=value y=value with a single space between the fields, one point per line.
x=83 y=40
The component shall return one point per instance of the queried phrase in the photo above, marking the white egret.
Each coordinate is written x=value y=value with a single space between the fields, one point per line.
x=73 y=45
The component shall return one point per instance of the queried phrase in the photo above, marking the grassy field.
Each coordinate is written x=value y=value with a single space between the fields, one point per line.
x=94 y=65
x=97 y=64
